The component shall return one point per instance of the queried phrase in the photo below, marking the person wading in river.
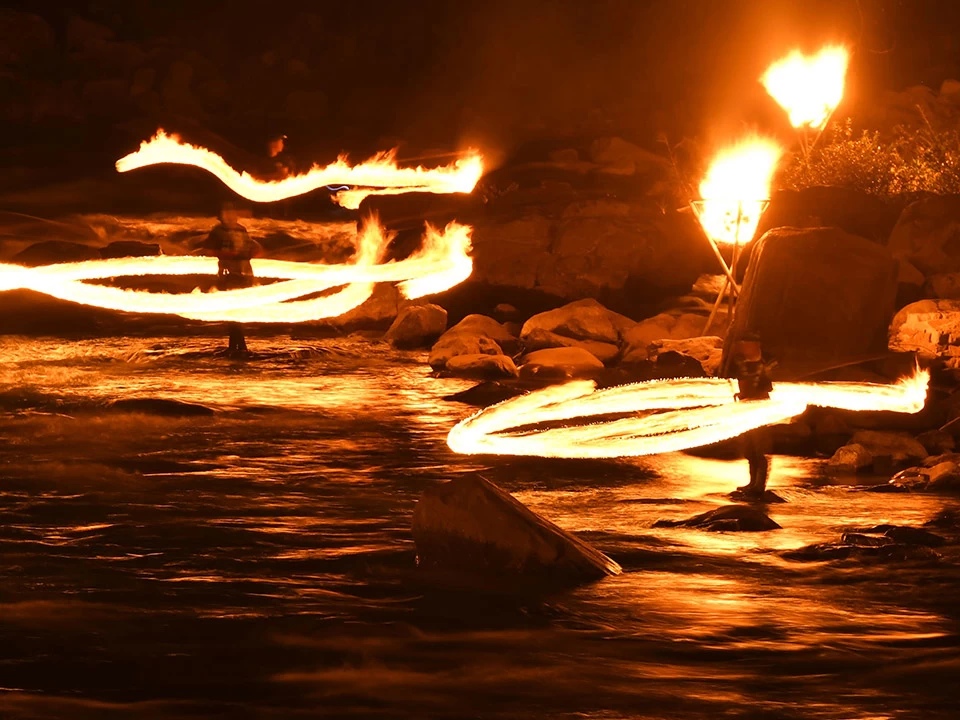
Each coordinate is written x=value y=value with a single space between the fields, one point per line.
x=234 y=249
x=754 y=385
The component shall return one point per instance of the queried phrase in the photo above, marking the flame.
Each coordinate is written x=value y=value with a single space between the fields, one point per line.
x=379 y=175
x=441 y=263
x=696 y=412
x=736 y=188
x=808 y=88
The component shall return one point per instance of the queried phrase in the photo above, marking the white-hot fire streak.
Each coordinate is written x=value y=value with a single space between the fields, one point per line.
x=442 y=262
x=377 y=176
x=736 y=189
x=661 y=416
x=809 y=88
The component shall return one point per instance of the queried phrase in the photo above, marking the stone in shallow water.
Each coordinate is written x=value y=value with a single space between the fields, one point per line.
x=742 y=518
x=580 y=320
x=417 y=326
x=560 y=364
x=470 y=524
x=161 y=406
x=481 y=366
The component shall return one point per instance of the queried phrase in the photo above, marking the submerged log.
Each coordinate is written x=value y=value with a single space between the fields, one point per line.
x=470 y=524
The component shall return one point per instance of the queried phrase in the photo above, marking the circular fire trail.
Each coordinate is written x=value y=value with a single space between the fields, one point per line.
x=380 y=175
x=442 y=262
x=695 y=412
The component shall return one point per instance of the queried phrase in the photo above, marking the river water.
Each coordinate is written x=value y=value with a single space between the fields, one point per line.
x=258 y=561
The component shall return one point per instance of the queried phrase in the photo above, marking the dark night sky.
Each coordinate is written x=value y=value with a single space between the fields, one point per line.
x=442 y=74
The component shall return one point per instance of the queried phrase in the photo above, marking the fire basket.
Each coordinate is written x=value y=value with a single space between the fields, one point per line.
x=727 y=222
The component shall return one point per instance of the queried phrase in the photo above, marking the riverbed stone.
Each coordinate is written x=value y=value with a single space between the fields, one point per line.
x=474 y=335
x=706 y=351
x=581 y=320
x=417 y=326
x=482 y=367
x=560 y=364
x=899 y=448
x=470 y=524
x=539 y=339
x=852 y=457
x=728 y=518
x=48 y=252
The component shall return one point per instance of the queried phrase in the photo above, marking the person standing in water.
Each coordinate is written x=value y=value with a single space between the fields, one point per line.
x=234 y=249
x=754 y=385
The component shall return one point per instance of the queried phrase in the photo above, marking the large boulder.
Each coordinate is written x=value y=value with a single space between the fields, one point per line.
x=557 y=364
x=581 y=320
x=538 y=339
x=851 y=458
x=417 y=326
x=129 y=248
x=474 y=335
x=705 y=351
x=889 y=447
x=928 y=234
x=48 y=252
x=817 y=297
x=470 y=524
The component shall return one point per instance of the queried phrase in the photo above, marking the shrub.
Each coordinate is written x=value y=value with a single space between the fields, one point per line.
x=912 y=161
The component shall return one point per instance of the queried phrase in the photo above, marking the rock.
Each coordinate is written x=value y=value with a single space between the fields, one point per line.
x=581 y=320
x=943 y=476
x=162 y=407
x=48 y=252
x=417 y=326
x=851 y=458
x=930 y=328
x=945 y=285
x=540 y=339
x=25 y=39
x=742 y=518
x=900 y=448
x=936 y=442
x=560 y=364
x=378 y=311
x=817 y=297
x=481 y=366
x=907 y=274
x=474 y=335
x=705 y=351
x=505 y=312
x=926 y=234
x=129 y=248
x=639 y=339
x=852 y=211
x=619 y=157
x=486 y=393
x=451 y=346
x=843 y=550
x=911 y=535
x=471 y=524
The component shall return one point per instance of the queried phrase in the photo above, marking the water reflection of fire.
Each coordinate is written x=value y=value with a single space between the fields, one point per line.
x=809 y=88
x=442 y=262
x=695 y=412
x=379 y=175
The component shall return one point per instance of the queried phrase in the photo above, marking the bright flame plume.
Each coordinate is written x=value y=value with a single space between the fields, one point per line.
x=380 y=175
x=809 y=88
x=695 y=412
x=736 y=189
x=442 y=262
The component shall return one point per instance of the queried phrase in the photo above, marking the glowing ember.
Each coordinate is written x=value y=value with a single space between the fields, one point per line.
x=379 y=175
x=696 y=412
x=736 y=188
x=442 y=262
x=808 y=88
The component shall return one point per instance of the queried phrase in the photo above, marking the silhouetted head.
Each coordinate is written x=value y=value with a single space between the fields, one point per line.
x=275 y=146
x=229 y=213
x=748 y=347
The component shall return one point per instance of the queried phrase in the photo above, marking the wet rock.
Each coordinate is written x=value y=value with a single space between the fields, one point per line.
x=49 y=252
x=581 y=320
x=557 y=364
x=129 y=248
x=481 y=366
x=741 y=518
x=900 y=448
x=842 y=551
x=706 y=352
x=665 y=326
x=851 y=458
x=474 y=335
x=926 y=234
x=417 y=326
x=817 y=297
x=486 y=394
x=377 y=312
x=161 y=406
x=538 y=339
x=937 y=474
x=910 y=535
x=470 y=524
